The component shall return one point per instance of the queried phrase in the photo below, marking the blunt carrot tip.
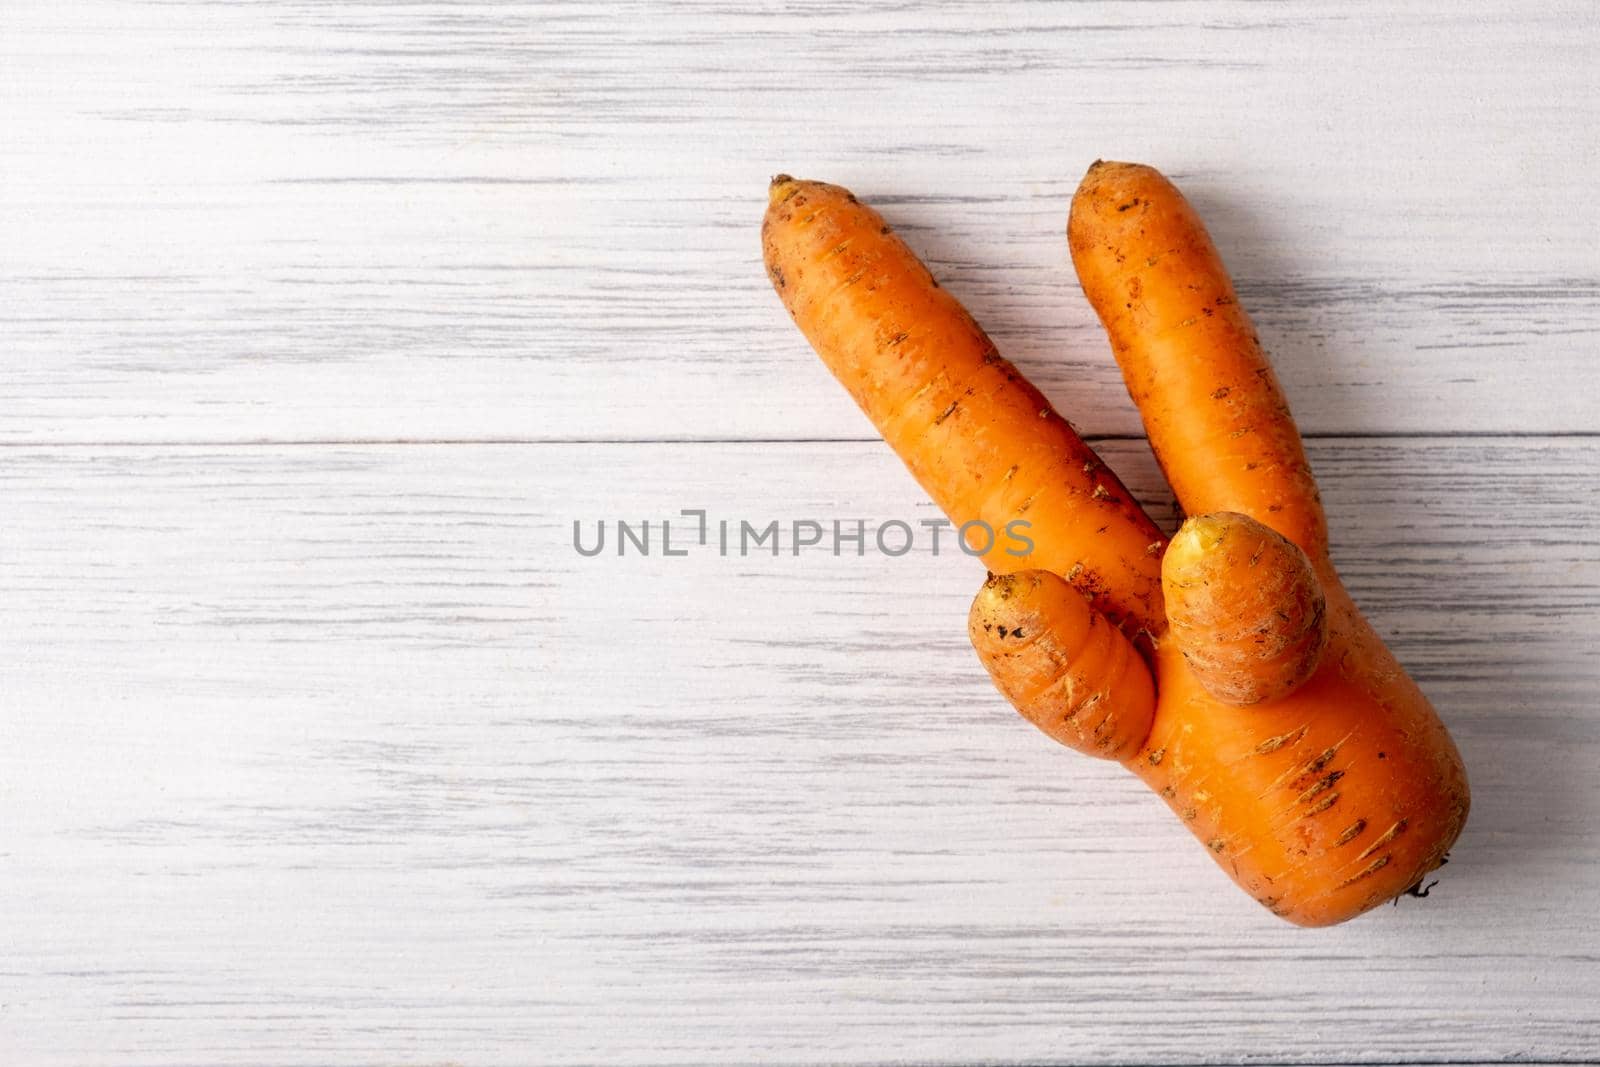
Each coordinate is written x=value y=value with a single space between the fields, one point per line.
x=778 y=182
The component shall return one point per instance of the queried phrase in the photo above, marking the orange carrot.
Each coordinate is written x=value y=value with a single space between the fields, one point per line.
x=1061 y=664
x=1244 y=607
x=1320 y=804
x=982 y=441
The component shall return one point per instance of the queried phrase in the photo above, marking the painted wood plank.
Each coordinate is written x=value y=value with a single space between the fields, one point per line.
x=351 y=221
x=343 y=754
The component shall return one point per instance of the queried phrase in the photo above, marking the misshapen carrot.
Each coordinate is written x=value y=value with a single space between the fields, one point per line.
x=981 y=440
x=1320 y=804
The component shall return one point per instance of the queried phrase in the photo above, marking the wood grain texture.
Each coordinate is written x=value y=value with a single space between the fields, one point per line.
x=315 y=751
x=494 y=220
x=344 y=755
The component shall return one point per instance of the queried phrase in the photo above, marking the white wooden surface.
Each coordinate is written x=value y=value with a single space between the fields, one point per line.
x=321 y=322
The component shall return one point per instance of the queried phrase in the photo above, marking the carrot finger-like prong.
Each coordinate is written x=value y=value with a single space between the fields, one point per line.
x=1216 y=417
x=1244 y=606
x=1063 y=666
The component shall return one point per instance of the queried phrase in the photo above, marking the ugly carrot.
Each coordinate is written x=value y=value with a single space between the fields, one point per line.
x=1320 y=803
